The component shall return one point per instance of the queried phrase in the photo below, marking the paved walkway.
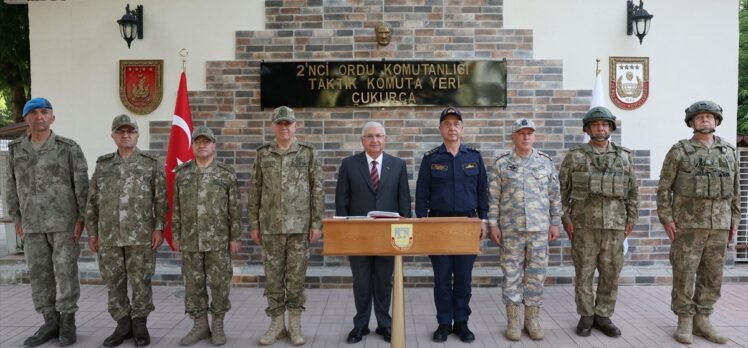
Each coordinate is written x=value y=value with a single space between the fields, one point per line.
x=642 y=313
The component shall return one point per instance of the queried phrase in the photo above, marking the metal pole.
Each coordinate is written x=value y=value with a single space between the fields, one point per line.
x=398 y=306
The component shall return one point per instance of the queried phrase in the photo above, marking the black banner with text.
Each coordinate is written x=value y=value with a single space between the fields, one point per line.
x=383 y=83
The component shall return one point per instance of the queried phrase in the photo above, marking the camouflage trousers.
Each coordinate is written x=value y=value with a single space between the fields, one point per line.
x=52 y=259
x=697 y=257
x=599 y=249
x=285 y=258
x=524 y=260
x=136 y=264
x=203 y=270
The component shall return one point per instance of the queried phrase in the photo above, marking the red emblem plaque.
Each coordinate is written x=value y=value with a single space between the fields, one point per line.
x=140 y=85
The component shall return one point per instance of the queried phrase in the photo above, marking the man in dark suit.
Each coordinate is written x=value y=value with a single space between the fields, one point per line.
x=372 y=180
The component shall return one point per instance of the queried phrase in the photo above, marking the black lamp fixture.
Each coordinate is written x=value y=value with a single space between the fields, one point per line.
x=637 y=17
x=131 y=24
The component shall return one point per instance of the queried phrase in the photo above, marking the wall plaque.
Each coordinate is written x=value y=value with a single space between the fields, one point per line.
x=140 y=85
x=629 y=81
x=383 y=83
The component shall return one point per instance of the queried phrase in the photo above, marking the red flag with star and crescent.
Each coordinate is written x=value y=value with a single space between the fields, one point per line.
x=179 y=151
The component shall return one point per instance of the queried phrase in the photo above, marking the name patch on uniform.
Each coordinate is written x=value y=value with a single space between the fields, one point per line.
x=439 y=167
x=470 y=165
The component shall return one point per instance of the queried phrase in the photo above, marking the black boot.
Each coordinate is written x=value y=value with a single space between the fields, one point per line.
x=442 y=332
x=140 y=332
x=461 y=330
x=67 y=329
x=121 y=332
x=49 y=330
x=584 y=327
x=606 y=326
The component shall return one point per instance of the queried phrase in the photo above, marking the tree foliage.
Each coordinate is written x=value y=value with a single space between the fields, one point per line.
x=743 y=70
x=15 y=73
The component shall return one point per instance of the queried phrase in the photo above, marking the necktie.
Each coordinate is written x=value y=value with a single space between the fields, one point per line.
x=374 y=175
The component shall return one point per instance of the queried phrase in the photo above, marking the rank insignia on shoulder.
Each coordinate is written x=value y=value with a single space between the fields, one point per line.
x=439 y=167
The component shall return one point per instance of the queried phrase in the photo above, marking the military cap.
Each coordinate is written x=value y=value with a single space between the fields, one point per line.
x=124 y=120
x=522 y=123
x=283 y=113
x=36 y=103
x=203 y=132
x=450 y=110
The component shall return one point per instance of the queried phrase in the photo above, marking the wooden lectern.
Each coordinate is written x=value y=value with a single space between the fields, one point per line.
x=398 y=237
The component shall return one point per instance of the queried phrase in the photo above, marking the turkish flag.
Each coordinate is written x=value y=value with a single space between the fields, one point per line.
x=180 y=140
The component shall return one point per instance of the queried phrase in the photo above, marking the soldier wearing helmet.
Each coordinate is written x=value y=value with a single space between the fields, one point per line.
x=599 y=194
x=698 y=202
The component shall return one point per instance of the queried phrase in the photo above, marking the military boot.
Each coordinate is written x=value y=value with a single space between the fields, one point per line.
x=513 y=332
x=140 y=334
x=606 y=325
x=49 y=330
x=200 y=331
x=218 y=337
x=121 y=332
x=532 y=324
x=276 y=330
x=294 y=328
x=584 y=327
x=703 y=328
x=685 y=329
x=67 y=329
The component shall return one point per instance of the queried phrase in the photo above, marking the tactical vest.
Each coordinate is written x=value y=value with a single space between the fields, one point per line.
x=704 y=175
x=605 y=175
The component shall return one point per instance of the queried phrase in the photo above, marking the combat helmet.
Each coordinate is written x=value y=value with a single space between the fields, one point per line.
x=599 y=113
x=704 y=106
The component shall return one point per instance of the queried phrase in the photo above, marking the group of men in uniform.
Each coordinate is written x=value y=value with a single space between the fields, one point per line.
x=521 y=206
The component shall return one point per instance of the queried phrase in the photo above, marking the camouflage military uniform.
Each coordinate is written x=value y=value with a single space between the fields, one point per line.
x=47 y=190
x=599 y=193
x=127 y=201
x=206 y=217
x=524 y=200
x=699 y=191
x=286 y=199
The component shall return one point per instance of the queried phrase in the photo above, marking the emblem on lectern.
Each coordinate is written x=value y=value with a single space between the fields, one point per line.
x=402 y=236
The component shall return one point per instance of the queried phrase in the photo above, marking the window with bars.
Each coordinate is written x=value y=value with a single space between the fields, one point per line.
x=741 y=245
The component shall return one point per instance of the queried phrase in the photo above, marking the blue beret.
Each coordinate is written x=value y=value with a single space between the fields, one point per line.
x=36 y=103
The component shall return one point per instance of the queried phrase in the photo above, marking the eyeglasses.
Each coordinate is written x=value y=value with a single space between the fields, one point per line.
x=122 y=132
x=373 y=136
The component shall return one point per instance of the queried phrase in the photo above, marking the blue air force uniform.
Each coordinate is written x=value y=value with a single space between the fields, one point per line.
x=452 y=186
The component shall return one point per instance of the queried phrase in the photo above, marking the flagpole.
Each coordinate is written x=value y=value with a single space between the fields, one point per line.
x=184 y=52
x=179 y=150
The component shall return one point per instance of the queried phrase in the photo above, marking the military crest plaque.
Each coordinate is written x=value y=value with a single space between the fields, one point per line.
x=140 y=85
x=401 y=236
x=629 y=81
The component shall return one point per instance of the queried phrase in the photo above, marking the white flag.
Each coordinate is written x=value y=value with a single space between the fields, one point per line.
x=597 y=92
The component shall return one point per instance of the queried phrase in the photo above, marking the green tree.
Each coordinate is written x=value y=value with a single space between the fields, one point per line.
x=743 y=70
x=15 y=73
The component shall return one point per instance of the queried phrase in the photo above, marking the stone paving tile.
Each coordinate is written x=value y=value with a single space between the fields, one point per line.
x=643 y=314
